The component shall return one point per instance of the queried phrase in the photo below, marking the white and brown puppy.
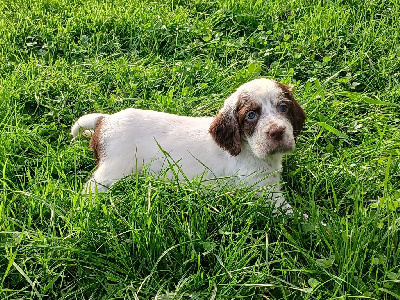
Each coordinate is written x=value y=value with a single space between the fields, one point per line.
x=247 y=139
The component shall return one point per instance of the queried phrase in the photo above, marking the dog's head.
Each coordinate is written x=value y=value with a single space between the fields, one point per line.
x=262 y=113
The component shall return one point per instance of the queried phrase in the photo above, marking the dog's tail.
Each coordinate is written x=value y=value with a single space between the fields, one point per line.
x=86 y=125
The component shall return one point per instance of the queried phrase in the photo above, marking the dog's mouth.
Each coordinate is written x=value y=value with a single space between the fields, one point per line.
x=265 y=147
x=275 y=150
x=279 y=147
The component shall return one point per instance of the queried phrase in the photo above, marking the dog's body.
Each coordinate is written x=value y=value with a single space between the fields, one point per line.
x=185 y=139
x=247 y=140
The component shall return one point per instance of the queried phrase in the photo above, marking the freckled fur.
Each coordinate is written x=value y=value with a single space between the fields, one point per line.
x=228 y=145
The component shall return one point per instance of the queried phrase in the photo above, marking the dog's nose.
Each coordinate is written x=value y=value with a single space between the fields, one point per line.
x=276 y=132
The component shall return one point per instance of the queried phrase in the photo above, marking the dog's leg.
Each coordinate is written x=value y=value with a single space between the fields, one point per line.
x=282 y=205
x=92 y=187
x=102 y=179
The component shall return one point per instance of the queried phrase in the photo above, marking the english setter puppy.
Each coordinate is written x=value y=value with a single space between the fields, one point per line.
x=257 y=125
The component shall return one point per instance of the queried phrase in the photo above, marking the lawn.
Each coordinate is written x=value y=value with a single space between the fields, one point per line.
x=151 y=239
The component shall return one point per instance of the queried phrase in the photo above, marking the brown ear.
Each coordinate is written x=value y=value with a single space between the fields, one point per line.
x=299 y=118
x=226 y=133
x=297 y=115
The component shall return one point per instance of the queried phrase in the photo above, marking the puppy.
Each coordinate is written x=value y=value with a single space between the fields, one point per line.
x=257 y=125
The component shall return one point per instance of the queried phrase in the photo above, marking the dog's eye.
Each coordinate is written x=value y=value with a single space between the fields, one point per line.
x=251 y=115
x=283 y=108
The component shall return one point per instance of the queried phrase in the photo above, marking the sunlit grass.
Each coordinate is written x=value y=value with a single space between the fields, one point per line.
x=147 y=238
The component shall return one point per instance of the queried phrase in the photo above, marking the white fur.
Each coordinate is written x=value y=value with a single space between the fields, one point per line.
x=268 y=95
x=87 y=123
x=133 y=138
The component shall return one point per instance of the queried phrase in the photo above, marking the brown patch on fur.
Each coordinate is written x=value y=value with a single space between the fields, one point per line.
x=95 y=143
x=244 y=106
x=295 y=113
x=228 y=127
x=226 y=132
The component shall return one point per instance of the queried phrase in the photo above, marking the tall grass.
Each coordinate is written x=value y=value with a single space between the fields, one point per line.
x=151 y=239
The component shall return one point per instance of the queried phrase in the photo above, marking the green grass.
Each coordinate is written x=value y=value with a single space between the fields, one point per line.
x=150 y=239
